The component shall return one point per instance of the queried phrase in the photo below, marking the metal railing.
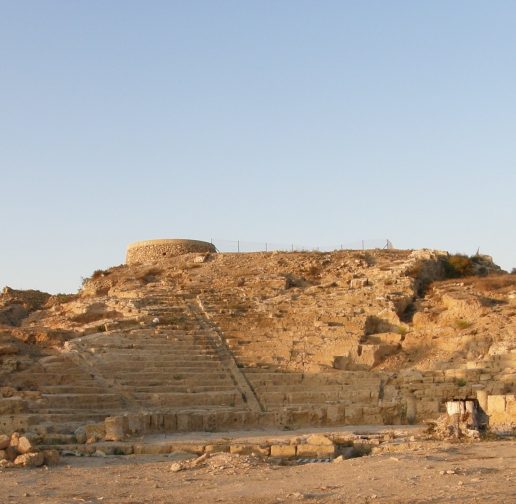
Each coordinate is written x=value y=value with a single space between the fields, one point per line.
x=223 y=245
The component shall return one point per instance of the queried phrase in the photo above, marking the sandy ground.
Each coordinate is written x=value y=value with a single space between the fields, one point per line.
x=480 y=472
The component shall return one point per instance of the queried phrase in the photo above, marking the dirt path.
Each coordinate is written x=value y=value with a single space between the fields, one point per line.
x=481 y=472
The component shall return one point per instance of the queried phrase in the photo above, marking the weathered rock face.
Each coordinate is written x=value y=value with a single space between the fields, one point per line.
x=15 y=305
x=220 y=341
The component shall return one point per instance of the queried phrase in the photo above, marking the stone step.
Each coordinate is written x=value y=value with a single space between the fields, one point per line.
x=168 y=346
x=71 y=389
x=65 y=422
x=317 y=397
x=157 y=384
x=81 y=401
x=188 y=383
x=314 y=381
x=158 y=373
x=163 y=388
x=177 y=399
x=273 y=388
x=159 y=361
x=62 y=379
x=165 y=368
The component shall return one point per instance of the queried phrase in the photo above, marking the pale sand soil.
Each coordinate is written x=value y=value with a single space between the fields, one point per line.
x=484 y=473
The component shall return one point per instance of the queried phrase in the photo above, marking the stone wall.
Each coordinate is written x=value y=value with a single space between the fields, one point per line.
x=159 y=250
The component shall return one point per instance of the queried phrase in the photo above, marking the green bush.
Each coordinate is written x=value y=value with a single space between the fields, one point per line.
x=458 y=265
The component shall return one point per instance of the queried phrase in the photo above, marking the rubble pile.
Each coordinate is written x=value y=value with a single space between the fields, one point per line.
x=220 y=462
x=18 y=451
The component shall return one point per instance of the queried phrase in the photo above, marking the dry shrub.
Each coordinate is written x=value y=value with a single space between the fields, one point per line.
x=100 y=273
x=500 y=283
x=150 y=274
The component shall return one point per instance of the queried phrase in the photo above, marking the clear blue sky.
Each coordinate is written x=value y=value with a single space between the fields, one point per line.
x=313 y=122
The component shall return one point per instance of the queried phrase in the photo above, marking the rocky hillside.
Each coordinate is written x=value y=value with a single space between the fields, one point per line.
x=238 y=320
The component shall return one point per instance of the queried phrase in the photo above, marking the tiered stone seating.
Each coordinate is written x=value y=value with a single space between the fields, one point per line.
x=69 y=396
x=327 y=398
x=166 y=369
x=172 y=364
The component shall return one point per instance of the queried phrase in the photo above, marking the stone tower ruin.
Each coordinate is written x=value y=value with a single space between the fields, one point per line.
x=159 y=250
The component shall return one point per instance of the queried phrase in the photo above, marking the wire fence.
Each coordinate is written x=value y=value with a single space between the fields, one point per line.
x=249 y=246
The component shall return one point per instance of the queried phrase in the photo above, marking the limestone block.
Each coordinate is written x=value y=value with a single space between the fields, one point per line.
x=196 y=422
x=94 y=432
x=267 y=419
x=370 y=355
x=250 y=449
x=156 y=422
x=24 y=445
x=51 y=457
x=424 y=408
x=80 y=435
x=135 y=424
x=217 y=448
x=388 y=338
x=357 y=283
x=198 y=449
x=510 y=407
x=319 y=440
x=372 y=418
x=3 y=454
x=4 y=441
x=335 y=413
x=120 y=449
x=209 y=422
x=15 y=438
x=495 y=404
x=311 y=450
x=300 y=417
x=353 y=415
x=116 y=428
x=11 y=453
x=411 y=409
x=30 y=460
x=170 y=422
x=482 y=399
x=151 y=449
x=183 y=422
x=283 y=451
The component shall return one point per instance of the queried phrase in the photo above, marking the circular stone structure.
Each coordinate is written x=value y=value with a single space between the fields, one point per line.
x=159 y=250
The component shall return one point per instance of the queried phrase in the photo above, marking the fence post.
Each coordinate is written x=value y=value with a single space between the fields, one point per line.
x=238 y=246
